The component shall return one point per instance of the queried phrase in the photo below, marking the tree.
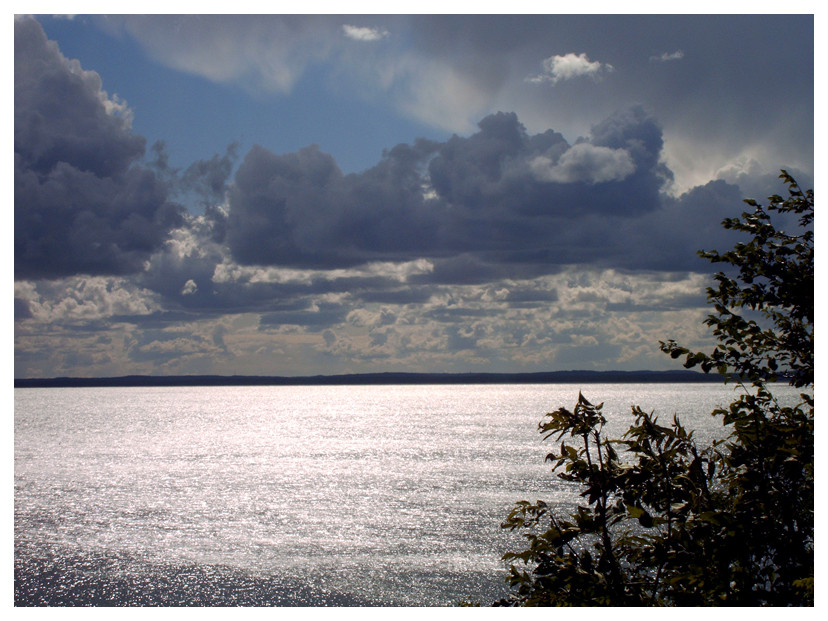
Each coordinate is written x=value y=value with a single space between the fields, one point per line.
x=664 y=521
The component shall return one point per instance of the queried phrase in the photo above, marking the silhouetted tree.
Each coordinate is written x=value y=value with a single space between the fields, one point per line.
x=665 y=522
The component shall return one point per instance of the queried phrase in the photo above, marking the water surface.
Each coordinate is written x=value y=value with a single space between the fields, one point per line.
x=329 y=495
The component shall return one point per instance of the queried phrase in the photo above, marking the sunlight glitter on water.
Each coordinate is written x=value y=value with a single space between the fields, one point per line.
x=390 y=494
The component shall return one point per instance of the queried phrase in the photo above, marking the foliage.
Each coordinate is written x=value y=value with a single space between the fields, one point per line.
x=776 y=279
x=665 y=522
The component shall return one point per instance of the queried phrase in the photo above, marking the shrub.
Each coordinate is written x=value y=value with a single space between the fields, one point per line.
x=664 y=521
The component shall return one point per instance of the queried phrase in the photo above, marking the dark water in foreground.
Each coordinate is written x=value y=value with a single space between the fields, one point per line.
x=289 y=496
x=98 y=579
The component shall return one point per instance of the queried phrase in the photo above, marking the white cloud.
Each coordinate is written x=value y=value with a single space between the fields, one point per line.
x=83 y=299
x=461 y=328
x=363 y=33
x=585 y=162
x=668 y=56
x=262 y=54
x=694 y=161
x=433 y=91
x=230 y=272
x=569 y=66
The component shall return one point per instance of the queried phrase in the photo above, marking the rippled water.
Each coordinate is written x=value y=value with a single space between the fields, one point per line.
x=341 y=495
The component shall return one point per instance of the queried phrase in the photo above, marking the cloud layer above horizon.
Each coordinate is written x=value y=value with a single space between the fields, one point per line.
x=501 y=248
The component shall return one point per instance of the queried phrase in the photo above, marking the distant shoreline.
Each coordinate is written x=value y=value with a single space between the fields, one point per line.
x=362 y=379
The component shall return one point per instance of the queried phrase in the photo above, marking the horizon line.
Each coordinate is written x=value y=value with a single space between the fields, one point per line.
x=382 y=377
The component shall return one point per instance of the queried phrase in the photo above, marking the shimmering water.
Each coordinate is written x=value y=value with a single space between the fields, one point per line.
x=345 y=495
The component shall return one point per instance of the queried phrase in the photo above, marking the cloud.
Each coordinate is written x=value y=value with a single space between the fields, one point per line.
x=438 y=93
x=503 y=324
x=208 y=179
x=262 y=53
x=508 y=246
x=83 y=300
x=82 y=202
x=447 y=72
x=668 y=56
x=500 y=202
x=61 y=110
x=189 y=288
x=473 y=207
x=559 y=68
x=364 y=33
x=587 y=163
x=300 y=210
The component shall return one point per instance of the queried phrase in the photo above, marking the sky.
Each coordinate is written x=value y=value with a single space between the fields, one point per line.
x=320 y=194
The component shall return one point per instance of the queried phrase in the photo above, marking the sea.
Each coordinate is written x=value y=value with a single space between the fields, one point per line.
x=294 y=495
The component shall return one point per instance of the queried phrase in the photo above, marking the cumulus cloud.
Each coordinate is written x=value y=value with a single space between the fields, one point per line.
x=559 y=68
x=79 y=192
x=585 y=162
x=305 y=246
x=472 y=206
x=448 y=71
x=300 y=210
x=668 y=56
x=84 y=300
x=190 y=287
x=521 y=324
x=364 y=33
x=454 y=254
x=498 y=248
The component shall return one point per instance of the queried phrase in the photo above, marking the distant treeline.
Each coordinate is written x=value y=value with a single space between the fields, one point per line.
x=361 y=379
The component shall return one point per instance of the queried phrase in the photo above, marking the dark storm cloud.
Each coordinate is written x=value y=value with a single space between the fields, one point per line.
x=82 y=203
x=509 y=187
x=299 y=209
x=278 y=204
x=500 y=203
